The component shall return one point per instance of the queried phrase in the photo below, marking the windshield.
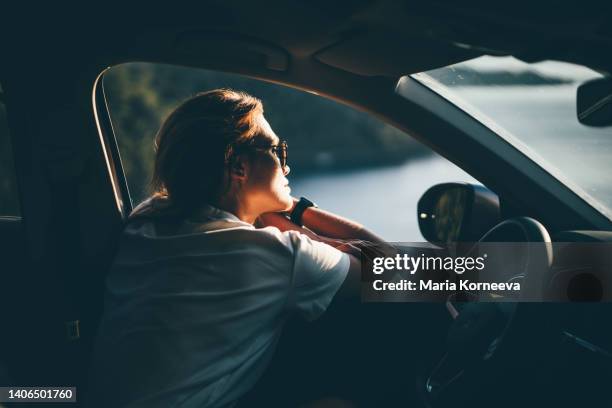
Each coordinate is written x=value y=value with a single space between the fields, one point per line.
x=533 y=107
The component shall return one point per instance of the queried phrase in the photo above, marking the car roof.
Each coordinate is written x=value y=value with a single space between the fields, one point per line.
x=364 y=37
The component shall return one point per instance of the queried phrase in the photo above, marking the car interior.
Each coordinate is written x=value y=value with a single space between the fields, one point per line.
x=68 y=199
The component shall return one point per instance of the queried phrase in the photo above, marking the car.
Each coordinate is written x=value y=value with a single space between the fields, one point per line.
x=405 y=63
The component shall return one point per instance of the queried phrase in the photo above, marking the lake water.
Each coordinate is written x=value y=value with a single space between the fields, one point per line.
x=382 y=199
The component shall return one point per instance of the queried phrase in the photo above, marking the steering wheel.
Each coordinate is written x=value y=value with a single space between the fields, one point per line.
x=481 y=331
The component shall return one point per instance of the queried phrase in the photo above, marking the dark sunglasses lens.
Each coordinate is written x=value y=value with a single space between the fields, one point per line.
x=281 y=153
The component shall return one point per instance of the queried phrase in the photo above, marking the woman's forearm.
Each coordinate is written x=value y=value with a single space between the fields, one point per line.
x=334 y=226
x=324 y=224
x=282 y=223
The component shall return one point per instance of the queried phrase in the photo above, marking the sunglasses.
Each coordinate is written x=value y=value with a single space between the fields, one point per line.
x=280 y=150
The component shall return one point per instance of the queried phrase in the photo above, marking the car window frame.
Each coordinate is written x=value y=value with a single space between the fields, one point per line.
x=110 y=148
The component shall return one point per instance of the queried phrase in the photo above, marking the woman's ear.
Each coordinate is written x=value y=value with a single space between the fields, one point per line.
x=238 y=168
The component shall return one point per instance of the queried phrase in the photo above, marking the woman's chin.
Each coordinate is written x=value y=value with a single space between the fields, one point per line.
x=288 y=207
x=287 y=203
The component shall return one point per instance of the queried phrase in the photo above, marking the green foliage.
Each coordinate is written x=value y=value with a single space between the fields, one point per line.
x=322 y=134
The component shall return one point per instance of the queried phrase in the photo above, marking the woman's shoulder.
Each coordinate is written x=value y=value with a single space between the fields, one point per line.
x=152 y=207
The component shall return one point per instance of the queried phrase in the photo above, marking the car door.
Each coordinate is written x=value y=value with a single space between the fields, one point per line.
x=58 y=224
x=12 y=240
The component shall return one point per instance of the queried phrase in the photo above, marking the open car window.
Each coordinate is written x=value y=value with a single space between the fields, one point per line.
x=345 y=160
x=533 y=107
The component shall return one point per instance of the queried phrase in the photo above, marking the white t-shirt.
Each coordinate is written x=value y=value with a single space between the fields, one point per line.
x=192 y=315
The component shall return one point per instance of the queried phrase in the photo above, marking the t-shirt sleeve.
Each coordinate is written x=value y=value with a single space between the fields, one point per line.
x=318 y=272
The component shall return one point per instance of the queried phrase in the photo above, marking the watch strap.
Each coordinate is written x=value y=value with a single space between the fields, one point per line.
x=298 y=210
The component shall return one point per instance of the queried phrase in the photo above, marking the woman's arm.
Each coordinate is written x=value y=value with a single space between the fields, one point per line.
x=344 y=234
x=326 y=224
x=334 y=226
x=351 y=287
x=282 y=223
x=339 y=232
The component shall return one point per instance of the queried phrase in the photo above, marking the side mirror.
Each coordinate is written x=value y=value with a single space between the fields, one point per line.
x=455 y=212
x=594 y=102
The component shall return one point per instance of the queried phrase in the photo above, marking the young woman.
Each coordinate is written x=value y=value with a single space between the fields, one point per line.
x=211 y=266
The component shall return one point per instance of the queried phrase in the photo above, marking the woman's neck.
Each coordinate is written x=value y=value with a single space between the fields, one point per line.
x=233 y=205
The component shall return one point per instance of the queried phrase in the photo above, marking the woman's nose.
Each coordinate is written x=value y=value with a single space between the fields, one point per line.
x=286 y=170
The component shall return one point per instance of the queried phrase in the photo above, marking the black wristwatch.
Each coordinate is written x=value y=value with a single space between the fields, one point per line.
x=298 y=210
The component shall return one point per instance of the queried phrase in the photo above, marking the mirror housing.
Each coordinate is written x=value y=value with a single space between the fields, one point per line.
x=594 y=102
x=457 y=212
